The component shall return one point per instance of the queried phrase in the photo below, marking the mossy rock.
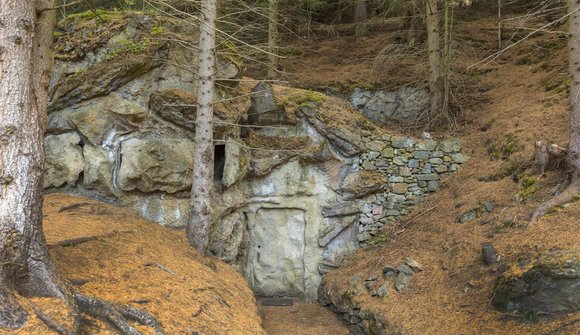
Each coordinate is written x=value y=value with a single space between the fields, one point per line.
x=548 y=285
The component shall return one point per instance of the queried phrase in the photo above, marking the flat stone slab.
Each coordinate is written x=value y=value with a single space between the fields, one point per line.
x=277 y=301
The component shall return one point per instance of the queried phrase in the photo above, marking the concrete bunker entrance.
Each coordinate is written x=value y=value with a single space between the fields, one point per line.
x=277 y=251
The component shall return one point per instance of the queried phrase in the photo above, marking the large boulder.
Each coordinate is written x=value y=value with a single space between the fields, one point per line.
x=63 y=159
x=151 y=164
x=403 y=105
x=98 y=171
x=549 y=284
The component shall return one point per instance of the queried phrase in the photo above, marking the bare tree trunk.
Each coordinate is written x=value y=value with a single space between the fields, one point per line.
x=200 y=217
x=434 y=50
x=360 y=11
x=574 y=148
x=412 y=25
x=25 y=65
x=574 y=49
x=273 y=39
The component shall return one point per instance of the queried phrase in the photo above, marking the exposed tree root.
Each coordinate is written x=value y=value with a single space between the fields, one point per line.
x=565 y=197
x=117 y=315
x=51 y=323
x=12 y=315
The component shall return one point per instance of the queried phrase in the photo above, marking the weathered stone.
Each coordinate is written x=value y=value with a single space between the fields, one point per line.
x=92 y=123
x=343 y=209
x=459 y=158
x=432 y=185
x=166 y=211
x=236 y=164
x=401 y=281
x=63 y=159
x=550 y=284
x=346 y=141
x=413 y=264
x=396 y=179
x=402 y=142
x=373 y=154
x=449 y=145
x=405 y=104
x=389 y=271
x=488 y=206
x=369 y=166
x=437 y=154
x=341 y=223
x=422 y=155
x=388 y=152
x=489 y=254
x=426 y=145
x=383 y=291
x=98 y=170
x=226 y=237
x=151 y=164
x=441 y=169
x=375 y=145
x=400 y=188
x=435 y=161
x=365 y=236
x=405 y=269
x=413 y=163
x=467 y=216
x=427 y=177
x=101 y=80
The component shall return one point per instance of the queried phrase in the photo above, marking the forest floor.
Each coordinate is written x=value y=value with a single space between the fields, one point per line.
x=111 y=254
x=520 y=98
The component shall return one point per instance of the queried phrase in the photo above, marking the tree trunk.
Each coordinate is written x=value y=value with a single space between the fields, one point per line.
x=412 y=26
x=360 y=11
x=200 y=217
x=434 y=50
x=25 y=65
x=273 y=39
x=574 y=148
x=574 y=64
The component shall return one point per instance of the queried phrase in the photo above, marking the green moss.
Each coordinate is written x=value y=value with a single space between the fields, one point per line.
x=129 y=46
x=529 y=186
x=304 y=98
x=156 y=30
x=104 y=15
x=379 y=240
x=503 y=148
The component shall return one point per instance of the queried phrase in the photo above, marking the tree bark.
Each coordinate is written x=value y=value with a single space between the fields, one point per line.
x=574 y=60
x=273 y=39
x=360 y=11
x=200 y=217
x=412 y=26
x=25 y=64
x=434 y=49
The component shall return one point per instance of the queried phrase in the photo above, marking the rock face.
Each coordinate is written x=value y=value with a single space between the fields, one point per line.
x=303 y=182
x=64 y=160
x=156 y=164
x=550 y=284
x=385 y=107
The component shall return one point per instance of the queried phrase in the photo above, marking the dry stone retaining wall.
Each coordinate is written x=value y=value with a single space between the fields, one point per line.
x=412 y=169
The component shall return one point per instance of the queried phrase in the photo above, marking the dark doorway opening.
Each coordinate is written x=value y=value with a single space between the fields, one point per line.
x=219 y=162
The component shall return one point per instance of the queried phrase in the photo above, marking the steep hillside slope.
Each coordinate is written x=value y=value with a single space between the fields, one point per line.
x=111 y=254
x=452 y=294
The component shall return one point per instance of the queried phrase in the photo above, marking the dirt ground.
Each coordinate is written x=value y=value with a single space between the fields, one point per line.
x=128 y=260
x=304 y=318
